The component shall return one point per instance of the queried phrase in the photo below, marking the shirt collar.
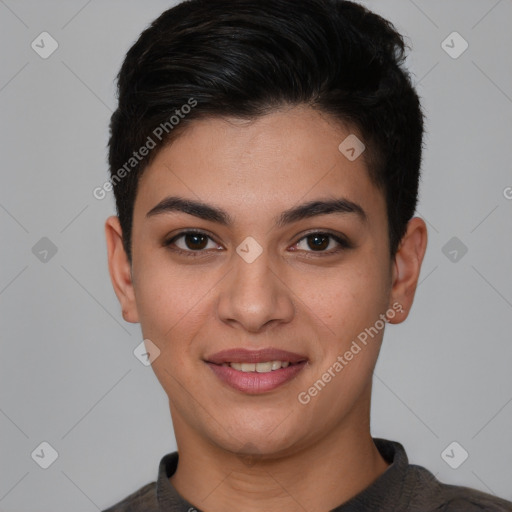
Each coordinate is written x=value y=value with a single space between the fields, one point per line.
x=387 y=491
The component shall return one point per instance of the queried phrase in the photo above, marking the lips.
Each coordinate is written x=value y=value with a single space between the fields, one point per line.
x=256 y=371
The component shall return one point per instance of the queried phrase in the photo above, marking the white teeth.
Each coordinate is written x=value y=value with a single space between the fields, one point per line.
x=276 y=365
x=264 y=367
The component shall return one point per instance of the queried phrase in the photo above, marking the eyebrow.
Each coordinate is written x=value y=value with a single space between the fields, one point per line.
x=214 y=214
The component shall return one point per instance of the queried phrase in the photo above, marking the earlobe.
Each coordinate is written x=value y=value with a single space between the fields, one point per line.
x=120 y=269
x=407 y=267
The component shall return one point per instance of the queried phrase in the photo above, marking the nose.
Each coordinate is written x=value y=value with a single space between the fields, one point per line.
x=255 y=296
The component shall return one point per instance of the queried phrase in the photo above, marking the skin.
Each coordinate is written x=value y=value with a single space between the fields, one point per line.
x=265 y=451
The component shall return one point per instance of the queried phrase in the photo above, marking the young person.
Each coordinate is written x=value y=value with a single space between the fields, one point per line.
x=265 y=159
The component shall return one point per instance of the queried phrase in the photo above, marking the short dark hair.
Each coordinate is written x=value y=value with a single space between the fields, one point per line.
x=248 y=58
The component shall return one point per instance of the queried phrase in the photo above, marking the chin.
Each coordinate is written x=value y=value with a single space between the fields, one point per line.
x=269 y=441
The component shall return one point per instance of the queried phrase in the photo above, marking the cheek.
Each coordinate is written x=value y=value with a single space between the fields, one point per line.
x=161 y=301
x=346 y=299
x=174 y=304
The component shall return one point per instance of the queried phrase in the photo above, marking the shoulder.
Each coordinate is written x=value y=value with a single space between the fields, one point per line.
x=147 y=497
x=434 y=496
x=460 y=499
x=143 y=500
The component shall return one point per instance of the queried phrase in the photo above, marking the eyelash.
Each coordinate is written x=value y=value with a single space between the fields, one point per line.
x=344 y=244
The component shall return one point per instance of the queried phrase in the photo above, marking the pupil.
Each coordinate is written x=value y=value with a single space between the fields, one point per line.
x=195 y=240
x=319 y=241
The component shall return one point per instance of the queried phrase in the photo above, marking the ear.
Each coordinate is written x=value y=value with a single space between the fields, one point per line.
x=120 y=269
x=406 y=269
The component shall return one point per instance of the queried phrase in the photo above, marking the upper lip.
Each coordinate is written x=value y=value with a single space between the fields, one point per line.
x=242 y=355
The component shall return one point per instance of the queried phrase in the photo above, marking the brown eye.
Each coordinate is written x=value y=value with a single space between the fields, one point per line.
x=319 y=242
x=195 y=241
x=191 y=243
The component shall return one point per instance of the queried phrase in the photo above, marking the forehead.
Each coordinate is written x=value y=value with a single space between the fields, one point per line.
x=269 y=163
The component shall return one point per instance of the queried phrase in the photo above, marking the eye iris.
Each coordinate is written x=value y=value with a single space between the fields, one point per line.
x=320 y=241
x=195 y=237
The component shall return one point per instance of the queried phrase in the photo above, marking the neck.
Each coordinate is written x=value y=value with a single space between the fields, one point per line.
x=319 y=477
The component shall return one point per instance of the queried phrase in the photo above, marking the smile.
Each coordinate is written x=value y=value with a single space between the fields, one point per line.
x=256 y=371
x=268 y=366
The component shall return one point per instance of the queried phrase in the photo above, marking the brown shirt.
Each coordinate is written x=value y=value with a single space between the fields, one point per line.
x=402 y=487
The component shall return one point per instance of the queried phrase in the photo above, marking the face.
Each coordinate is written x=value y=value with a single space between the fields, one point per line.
x=259 y=270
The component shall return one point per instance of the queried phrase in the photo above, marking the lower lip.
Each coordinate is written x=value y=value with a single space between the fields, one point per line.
x=254 y=383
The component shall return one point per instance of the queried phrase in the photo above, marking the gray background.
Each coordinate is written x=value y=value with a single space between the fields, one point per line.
x=68 y=375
